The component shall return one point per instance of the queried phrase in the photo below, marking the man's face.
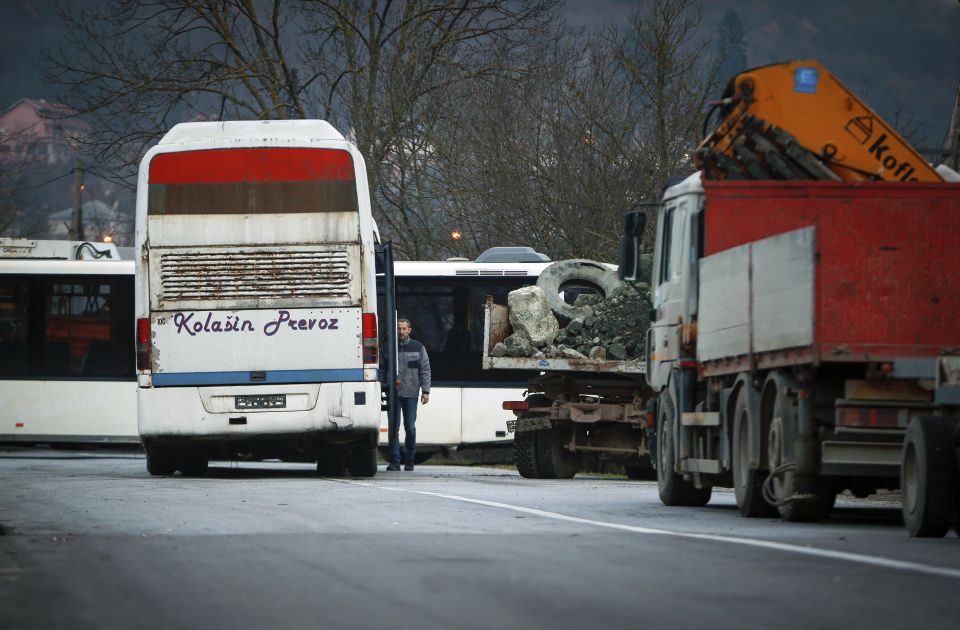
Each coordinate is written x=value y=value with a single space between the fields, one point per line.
x=403 y=330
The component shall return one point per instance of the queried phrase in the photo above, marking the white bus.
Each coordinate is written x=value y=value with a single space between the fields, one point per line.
x=66 y=344
x=444 y=302
x=256 y=299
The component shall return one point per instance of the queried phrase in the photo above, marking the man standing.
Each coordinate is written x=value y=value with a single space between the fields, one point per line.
x=413 y=377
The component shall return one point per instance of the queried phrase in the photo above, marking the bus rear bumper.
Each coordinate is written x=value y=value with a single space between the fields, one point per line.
x=236 y=412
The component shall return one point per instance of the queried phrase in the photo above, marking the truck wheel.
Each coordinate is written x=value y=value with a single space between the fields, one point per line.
x=193 y=465
x=928 y=477
x=160 y=462
x=806 y=506
x=747 y=481
x=674 y=490
x=525 y=454
x=556 y=461
x=580 y=273
x=362 y=461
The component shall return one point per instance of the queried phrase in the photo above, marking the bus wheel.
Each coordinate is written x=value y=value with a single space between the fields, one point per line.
x=362 y=461
x=928 y=477
x=331 y=465
x=747 y=481
x=525 y=454
x=193 y=466
x=160 y=463
x=556 y=461
x=673 y=489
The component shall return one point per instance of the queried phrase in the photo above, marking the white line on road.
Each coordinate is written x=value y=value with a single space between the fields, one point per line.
x=876 y=561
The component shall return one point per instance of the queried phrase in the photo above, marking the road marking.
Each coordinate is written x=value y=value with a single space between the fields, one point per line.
x=876 y=561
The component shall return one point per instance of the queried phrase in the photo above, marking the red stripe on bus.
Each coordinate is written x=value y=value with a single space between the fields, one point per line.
x=219 y=166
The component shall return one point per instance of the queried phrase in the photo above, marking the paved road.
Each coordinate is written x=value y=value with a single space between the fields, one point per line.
x=92 y=541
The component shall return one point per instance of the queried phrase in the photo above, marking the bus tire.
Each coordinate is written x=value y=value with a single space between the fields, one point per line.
x=160 y=463
x=193 y=465
x=578 y=272
x=556 y=461
x=673 y=489
x=362 y=461
x=525 y=454
x=331 y=465
x=928 y=477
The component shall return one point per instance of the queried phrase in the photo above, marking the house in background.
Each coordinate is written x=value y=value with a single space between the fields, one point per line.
x=37 y=130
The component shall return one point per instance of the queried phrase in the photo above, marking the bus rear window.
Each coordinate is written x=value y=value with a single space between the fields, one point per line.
x=252 y=181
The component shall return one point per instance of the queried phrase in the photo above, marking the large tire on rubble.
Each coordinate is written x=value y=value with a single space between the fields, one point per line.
x=577 y=273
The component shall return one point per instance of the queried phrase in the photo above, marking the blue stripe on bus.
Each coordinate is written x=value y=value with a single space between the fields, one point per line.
x=168 y=379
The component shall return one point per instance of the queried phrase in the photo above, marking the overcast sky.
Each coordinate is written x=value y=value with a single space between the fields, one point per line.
x=903 y=52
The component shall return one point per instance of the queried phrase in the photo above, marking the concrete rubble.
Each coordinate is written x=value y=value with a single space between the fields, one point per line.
x=612 y=329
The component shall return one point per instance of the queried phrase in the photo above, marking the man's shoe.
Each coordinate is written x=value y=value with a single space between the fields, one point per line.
x=394 y=466
x=408 y=467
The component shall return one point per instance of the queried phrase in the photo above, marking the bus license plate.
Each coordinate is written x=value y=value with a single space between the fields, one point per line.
x=270 y=401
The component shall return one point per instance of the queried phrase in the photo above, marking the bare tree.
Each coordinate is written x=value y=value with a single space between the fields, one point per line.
x=390 y=70
x=672 y=77
x=541 y=158
x=374 y=68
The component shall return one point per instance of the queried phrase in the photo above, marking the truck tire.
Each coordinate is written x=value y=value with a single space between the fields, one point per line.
x=928 y=477
x=818 y=500
x=160 y=462
x=580 y=273
x=525 y=454
x=556 y=461
x=362 y=461
x=673 y=489
x=747 y=481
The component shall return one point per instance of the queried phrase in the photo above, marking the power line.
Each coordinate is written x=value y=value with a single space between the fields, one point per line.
x=49 y=181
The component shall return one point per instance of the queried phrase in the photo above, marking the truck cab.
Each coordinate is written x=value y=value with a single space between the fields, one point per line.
x=673 y=285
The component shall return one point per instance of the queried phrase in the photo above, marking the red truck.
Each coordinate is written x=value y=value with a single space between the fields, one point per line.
x=805 y=340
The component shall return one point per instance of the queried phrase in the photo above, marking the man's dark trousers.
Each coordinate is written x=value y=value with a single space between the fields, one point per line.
x=408 y=408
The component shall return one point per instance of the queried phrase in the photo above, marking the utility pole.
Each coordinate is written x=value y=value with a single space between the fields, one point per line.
x=952 y=146
x=76 y=228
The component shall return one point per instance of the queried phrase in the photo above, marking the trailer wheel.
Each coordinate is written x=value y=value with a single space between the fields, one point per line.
x=673 y=489
x=556 y=461
x=928 y=477
x=747 y=481
x=160 y=462
x=525 y=454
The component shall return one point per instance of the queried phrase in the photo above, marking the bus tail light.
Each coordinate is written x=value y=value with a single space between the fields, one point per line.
x=143 y=344
x=371 y=353
x=515 y=405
